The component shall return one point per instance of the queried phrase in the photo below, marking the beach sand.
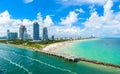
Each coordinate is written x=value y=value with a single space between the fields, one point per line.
x=55 y=47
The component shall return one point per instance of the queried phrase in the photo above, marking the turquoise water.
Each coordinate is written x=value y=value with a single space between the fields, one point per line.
x=104 y=50
x=14 y=60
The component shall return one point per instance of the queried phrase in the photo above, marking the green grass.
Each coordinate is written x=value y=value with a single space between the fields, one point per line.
x=30 y=44
x=36 y=45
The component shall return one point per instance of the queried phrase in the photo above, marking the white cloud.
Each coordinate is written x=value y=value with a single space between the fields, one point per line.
x=81 y=2
x=106 y=25
x=27 y=22
x=70 y=19
x=6 y=22
x=39 y=17
x=47 y=21
x=94 y=21
x=28 y=1
x=80 y=10
x=107 y=10
x=119 y=6
x=63 y=31
x=5 y=17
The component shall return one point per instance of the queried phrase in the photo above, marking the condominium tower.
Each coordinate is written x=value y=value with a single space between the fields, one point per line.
x=45 y=34
x=22 y=30
x=36 y=31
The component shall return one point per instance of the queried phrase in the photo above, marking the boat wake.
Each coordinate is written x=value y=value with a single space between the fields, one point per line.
x=58 y=68
x=16 y=64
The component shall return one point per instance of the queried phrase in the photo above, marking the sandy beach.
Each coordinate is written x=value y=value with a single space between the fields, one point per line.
x=54 y=47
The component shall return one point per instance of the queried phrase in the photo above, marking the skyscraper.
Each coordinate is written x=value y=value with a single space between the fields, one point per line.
x=8 y=34
x=36 y=31
x=12 y=35
x=25 y=36
x=22 y=29
x=45 y=34
x=52 y=37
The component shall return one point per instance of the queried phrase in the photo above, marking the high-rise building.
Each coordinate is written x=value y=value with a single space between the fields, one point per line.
x=22 y=29
x=8 y=36
x=45 y=34
x=52 y=37
x=36 y=31
x=12 y=35
x=25 y=36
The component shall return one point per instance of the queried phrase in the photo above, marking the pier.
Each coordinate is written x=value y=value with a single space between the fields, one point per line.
x=63 y=56
x=77 y=59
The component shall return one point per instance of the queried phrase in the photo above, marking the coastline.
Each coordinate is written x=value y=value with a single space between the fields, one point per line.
x=52 y=48
x=56 y=46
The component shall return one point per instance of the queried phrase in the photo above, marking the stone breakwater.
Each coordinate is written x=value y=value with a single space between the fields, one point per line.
x=99 y=63
x=77 y=59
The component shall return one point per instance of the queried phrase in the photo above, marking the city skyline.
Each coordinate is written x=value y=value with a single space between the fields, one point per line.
x=23 y=35
x=62 y=17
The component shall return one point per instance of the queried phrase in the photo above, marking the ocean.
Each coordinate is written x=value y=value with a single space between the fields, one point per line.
x=15 y=60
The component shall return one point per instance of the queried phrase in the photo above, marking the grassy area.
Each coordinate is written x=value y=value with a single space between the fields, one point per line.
x=35 y=45
x=30 y=44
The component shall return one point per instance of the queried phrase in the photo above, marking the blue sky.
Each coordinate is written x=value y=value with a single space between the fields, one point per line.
x=64 y=18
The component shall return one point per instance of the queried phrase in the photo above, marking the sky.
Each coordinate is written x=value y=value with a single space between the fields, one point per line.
x=63 y=18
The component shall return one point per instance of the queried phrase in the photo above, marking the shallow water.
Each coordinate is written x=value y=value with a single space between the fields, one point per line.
x=104 y=50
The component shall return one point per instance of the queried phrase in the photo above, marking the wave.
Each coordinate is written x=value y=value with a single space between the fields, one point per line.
x=16 y=64
x=58 y=68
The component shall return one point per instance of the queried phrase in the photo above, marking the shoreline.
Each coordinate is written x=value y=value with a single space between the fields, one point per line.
x=57 y=46
x=52 y=48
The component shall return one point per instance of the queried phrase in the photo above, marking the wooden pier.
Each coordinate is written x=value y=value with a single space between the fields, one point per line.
x=64 y=56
